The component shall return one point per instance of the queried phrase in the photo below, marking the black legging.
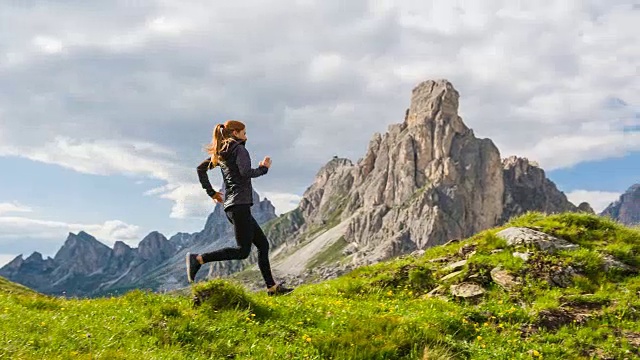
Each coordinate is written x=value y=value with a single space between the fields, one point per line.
x=247 y=231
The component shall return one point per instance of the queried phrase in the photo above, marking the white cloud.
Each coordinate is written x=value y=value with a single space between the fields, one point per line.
x=13 y=207
x=12 y=227
x=101 y=157
x=47 y=44
x=325 y=67
x=283 y=202
x=167 y=26
x=189 y=200
x=598 y=200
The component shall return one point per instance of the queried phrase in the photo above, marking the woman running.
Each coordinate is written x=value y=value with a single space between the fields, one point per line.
x=227 y=149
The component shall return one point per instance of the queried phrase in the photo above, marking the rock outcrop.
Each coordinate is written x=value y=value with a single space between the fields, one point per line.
x=627 y=208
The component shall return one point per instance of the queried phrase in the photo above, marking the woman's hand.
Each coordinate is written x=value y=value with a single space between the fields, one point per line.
x=266 y=162
x=217 y=198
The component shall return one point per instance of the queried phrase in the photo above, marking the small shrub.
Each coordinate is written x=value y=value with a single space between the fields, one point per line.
x=421 y=278
x=219 y=295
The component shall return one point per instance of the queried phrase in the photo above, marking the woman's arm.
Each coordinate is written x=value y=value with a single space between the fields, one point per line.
x=244 y=164
x=204 y=179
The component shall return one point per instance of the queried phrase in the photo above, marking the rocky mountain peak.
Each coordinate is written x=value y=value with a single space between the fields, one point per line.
x=83 y=252
x=34 y=257
x=431 y=147
x=13 y=264
x=121 y=249
x=519 y=163
x=527 y=189
x=83 y=240
x=262 y=210
x=155 y=246
x=585 y=207
x=329 y=191
x=433 y=100
x=180 y=240
x=627 y=208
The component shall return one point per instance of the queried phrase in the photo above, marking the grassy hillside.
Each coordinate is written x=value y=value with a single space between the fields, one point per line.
x=8 y=288
x=383 y=311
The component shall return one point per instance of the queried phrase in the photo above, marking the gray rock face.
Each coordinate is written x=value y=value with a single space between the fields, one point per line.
x=563 y=277
x=155 y=247
x=527 y=188
x=323 y=201
x=180 y=240
x=466 y=290
x=586 y=208
x=121 y=258
x=609 y=263
x=262 y=210
x=524 y=256
x=83 y=254
x=517 y=236
x=455 y=266
x=503 y=278
x=451 y=276
x=627 y=208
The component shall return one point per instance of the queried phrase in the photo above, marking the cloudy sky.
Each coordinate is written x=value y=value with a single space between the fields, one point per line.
x=105 y=106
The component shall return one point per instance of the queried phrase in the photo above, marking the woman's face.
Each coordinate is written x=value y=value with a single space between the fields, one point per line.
x=242 y=134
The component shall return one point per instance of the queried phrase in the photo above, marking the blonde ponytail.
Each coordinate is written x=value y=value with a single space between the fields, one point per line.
x=220 y=139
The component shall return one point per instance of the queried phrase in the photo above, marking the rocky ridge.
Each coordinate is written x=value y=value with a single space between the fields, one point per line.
x=627 y=208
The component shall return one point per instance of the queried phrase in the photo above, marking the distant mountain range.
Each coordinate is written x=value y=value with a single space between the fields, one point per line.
x=627 y=208
x=86 y=267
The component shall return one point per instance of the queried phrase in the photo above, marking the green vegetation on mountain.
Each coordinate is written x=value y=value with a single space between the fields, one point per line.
x=582 y=303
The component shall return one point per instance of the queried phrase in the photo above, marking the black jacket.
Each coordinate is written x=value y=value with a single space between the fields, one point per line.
x=236 y=172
